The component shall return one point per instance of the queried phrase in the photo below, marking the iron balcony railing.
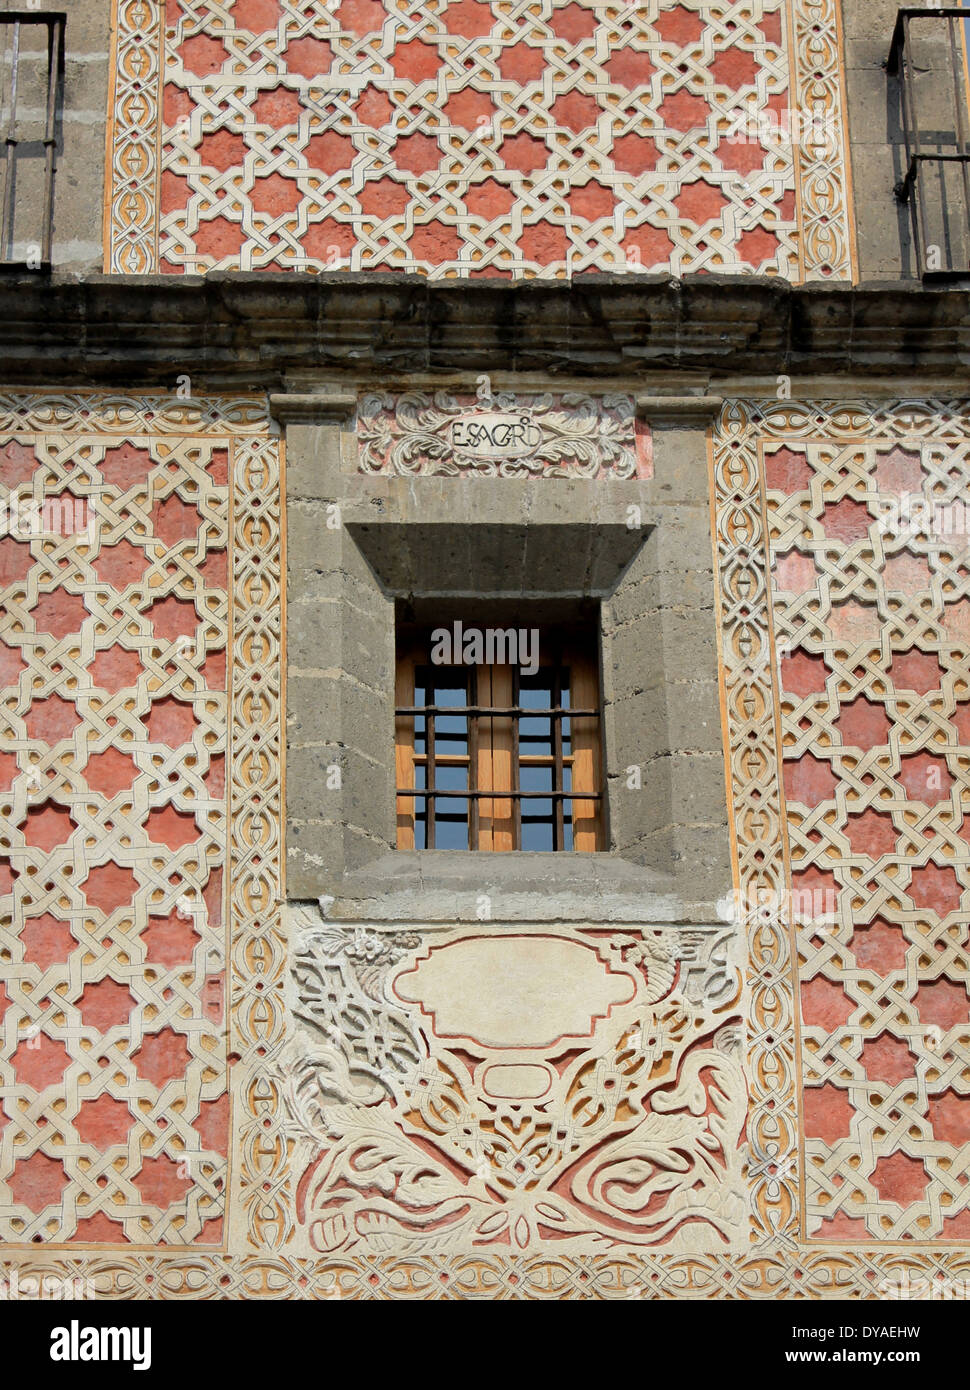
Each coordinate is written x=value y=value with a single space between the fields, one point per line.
x=932 y=75
x=31 y=104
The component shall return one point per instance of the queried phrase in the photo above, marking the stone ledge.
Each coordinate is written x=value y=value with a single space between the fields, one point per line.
x=309 y=408
x=447 y=886
x=251 y=331
x=656 y=409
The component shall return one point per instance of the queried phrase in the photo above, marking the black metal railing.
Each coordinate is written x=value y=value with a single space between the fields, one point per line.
x=31 y=102
x=936 y=129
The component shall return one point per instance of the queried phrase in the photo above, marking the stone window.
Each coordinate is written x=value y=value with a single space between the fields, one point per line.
x=623 y=561
x=512 y=709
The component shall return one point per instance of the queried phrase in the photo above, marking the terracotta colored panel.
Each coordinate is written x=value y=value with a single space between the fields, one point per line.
x=256 y=15
x=48 y=826
x=202 y=55
x=174 y=521
x=950 y=1118
x=37 y=1182
x=11 y=665
x=15 y=560
x=104 y=1122
x=879 y=946
x=9 y=769
x=46 y=940
x=573 y=22
x=172 y=618
x=212 y=1125
x=521 y=63
x=863 y=724
x=330 y=153
x=900 y=1178
x=162 y=1057
x=679 y=26
x=171 y=827
x=925 y=778
x=943 y=1004
x=888 y=1059
x=701 y=202
x=734 y=68
x=871 y=833
x=52 y=719
x=576 y=112
x=60 y=613
x=846 y=520
x=309 y=57
x=828 y=1113
x=105 y=1005
x=362 y=16
x=17 y=463
x=804 y=674
x=415 y=61
x=824 y=1005
x=40 y=1062
x=109 y=887
x=115 y=669
x=160 y=1183
x=170 y=941
x=809 y=781
x=469 y=18
x=935 y=889
x=110 y=772
x=919 y=671
x=122 y=564
x=125 y=465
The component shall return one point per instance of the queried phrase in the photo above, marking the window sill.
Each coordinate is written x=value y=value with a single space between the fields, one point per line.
x=464 y=886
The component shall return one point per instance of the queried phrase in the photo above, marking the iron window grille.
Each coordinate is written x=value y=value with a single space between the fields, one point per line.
x=940 y=240
x=23 y=84
x=490 y=757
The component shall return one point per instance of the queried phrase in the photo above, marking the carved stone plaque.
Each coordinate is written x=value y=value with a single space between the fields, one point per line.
x=506 y=434
x=463 y=1088
x=495 y=434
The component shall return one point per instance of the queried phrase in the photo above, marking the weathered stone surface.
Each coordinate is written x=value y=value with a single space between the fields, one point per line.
x=248 y=330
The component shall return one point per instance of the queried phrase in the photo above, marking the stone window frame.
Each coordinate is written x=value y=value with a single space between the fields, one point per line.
x=358 y=544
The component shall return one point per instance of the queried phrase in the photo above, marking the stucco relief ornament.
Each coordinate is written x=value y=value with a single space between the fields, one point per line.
x=505 y=434
x=468 y=1087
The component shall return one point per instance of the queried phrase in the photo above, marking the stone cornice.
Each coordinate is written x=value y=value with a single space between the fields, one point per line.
x=657 y=409
x=245 y=331
x=312 y=408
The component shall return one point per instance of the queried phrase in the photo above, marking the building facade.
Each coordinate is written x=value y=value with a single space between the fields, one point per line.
x=366 y=362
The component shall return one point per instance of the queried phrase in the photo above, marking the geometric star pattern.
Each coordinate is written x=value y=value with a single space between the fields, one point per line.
x=468 y=139
x=850 y=1096
x=475 y=139
x=113 y=718
x=870 y=582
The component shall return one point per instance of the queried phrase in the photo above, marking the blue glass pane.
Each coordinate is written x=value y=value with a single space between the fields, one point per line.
x=535 y=779
x=451 y=733
x=535 y=692
x=536 y=835
x=451 y=779
x=449 y=694
x=535 y=736
x=451 y=832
